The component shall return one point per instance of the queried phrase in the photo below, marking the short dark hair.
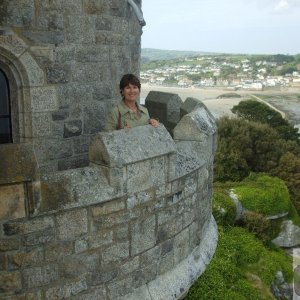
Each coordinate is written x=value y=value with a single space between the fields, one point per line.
x=129 y=79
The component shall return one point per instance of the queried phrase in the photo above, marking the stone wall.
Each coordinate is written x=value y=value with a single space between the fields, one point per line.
x=89 y=215
x=135 y=224
x=63 y=60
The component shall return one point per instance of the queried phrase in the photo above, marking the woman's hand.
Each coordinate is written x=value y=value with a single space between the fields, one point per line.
x=153 y=123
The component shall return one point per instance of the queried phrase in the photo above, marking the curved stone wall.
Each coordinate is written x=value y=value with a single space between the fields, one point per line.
x=88 y=215
x=64 y=60
x=135 y=224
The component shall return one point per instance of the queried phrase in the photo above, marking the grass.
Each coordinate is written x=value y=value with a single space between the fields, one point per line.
x=264 y=194
x=242 y=268
x=246 y=261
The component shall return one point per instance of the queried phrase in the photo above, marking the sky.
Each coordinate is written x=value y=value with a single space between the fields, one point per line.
x=223 y=26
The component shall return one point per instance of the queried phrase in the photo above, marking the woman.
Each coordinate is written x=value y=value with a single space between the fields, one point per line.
x=128 y=113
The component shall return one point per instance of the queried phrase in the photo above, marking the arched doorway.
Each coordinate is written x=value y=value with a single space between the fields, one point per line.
x=5 y=110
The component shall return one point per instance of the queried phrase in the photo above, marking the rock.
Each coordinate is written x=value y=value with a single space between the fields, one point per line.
x=289 y=235
x=280 y=289
x=238 y=204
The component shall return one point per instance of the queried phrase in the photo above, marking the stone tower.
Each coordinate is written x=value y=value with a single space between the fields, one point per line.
x=86 y=214
x=62 y=61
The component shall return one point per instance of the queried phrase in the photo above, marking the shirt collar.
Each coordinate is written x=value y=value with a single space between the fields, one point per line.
x=123 y=108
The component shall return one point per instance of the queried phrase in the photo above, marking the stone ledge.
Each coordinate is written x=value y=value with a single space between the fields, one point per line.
x=68 y=189
x=123 y=147
x=18 y=163
x=176 y=283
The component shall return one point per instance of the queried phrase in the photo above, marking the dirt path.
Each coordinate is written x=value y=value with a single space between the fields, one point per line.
x=283 y=114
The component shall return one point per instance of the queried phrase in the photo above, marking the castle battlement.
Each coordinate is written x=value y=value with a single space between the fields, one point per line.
x=86 y=214
x=136 y=223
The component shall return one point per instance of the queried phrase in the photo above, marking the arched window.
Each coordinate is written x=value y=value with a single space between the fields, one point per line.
x=5 y=111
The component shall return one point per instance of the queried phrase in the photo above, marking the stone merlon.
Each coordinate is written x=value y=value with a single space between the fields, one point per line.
x=123 y=147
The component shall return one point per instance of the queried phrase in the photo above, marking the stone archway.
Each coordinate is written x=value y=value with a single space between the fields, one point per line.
x=5 y=111
x=23 y=75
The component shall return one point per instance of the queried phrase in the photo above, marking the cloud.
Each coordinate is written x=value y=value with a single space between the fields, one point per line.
x=282 y=5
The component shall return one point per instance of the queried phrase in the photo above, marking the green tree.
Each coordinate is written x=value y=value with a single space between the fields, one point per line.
x=244 y=147
x=287 y=69
x=288 y=170
x=194 y=77
x=253 y=110
x=228 y=73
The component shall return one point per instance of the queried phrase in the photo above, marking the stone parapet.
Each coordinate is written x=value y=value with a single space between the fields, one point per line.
x=128 y=146
x=132 y=225
x=189 y=105
x=197 y=133
x=135 y=159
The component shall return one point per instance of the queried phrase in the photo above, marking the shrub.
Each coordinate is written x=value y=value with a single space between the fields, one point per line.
x=264 y=194
x=257 y=224
x=253 y=110
x=229 y=95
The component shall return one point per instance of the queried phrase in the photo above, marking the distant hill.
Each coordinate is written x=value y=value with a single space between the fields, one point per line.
x=149 y=54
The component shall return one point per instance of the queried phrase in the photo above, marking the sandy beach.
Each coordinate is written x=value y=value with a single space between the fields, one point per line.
x=218 y=107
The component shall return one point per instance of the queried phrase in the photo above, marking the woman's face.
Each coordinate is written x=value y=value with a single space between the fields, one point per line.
x=131 y=93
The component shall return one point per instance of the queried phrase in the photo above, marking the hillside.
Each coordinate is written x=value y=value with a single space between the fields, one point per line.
x=149 y=54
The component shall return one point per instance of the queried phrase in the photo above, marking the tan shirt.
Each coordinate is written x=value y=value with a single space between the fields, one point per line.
x=123 y=115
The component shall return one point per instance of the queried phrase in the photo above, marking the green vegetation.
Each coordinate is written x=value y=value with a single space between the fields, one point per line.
x=288 y=169
x=149 y=54
x=263 y=194
x=242 y=268
x=252 y=144
x=260 y=226
x=229 y=95
x=255 y=111
x=260 y=162
x=230 y=66
x=246 y=262
x=224 y=209
x=244 y=147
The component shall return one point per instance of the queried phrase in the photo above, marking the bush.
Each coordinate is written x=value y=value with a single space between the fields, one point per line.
x=244 y=147
x=253 y=110
x=257 y=224
x=264 y=194
x=229 y=95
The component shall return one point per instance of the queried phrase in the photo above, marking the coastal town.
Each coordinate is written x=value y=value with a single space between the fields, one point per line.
x=228 y=71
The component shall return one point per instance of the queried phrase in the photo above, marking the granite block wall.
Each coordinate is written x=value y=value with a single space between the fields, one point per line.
x=63 y=61
x=132 y=224
x=85 y=214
